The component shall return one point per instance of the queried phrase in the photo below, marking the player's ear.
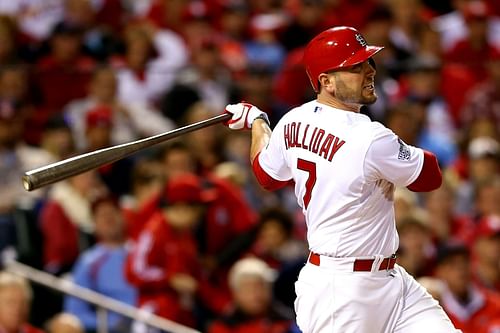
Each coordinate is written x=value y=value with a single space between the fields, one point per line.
x=327 y=82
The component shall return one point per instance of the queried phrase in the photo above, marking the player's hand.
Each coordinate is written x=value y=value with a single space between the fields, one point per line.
x=243 y=115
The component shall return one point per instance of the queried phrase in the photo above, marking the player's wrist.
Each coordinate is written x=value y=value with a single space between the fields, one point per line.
x=261 y=116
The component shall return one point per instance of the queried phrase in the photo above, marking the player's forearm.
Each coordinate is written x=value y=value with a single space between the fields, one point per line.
x=261 y=133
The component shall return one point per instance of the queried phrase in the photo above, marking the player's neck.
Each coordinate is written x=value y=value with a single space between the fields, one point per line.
x=331 y=101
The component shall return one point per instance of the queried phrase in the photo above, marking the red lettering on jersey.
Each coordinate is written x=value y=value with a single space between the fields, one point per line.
x=317 y=141
x=293 y=126
x=312 y=137
x=304 y=137
x=336 y=146
x=296 y=136
x=286 y=133
x=325 y=148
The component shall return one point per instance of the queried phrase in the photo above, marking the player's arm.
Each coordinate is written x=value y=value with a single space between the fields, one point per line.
x=249 y=117
x=261 y=134
x=390 y=158
x=430 y=177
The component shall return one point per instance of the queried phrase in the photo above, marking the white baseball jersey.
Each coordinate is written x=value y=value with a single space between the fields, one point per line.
x=344 y=167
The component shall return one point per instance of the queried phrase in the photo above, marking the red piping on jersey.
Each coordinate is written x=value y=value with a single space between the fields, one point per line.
x=266 y=181
x=430 y=177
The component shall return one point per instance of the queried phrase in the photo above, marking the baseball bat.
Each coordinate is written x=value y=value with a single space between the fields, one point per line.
x=72 y=166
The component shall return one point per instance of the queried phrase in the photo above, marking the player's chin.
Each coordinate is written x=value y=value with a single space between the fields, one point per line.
x=370 y=99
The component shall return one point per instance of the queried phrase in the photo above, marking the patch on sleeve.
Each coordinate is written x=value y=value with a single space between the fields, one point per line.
x=404 y=151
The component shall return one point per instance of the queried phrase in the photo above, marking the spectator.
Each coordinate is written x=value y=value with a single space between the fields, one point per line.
x=164 y=263
x=486 y=263
x=473 y=50
x=131 y=120
x=416 y=253
x=15 y=302
x=274 y=241
x=147 y=180
x=306 y=21
x=95 y=265
x=65 y=63
x=64 y=323
x=99 y=27
x=34 y=28
x=57 y=138
x=256 y=86
x=205 y=77
x=407 y=20
x=150 y=63
x=228 y=216
x=437 y=132
x=452 y=25
x=480 y=103
x=445 y=224
x=204 y=143
x=15 y=158
x=253 y=307
x=470 y=309
x=264 y=48
x=98 y=130
x=482 y=164
x=15 y=88
x=66 y=221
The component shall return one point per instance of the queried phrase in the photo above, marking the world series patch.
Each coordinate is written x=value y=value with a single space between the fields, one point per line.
x=404 y=151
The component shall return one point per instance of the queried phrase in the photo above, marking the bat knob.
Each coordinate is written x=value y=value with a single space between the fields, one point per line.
x=27 y=184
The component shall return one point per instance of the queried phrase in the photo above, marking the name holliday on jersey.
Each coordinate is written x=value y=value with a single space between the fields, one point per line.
x=319 y=142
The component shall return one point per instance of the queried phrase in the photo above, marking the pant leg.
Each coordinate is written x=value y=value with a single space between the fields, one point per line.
x=347 y=302
x=314 y=301
x=421 y=312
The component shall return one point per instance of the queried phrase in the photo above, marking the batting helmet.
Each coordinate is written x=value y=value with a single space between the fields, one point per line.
x=335 y=48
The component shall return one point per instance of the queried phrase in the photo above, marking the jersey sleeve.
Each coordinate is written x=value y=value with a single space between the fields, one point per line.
x=272 y=159
x=389 y=158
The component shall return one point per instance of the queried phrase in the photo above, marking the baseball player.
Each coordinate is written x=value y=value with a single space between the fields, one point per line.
x=344 y=168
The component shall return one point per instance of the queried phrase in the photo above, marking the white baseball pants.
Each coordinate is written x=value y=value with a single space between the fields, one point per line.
x=332 y=298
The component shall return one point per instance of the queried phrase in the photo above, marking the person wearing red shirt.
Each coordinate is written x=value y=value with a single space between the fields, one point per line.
x=486 y=248
x=164 y=263
x=65 y=63
x=469 y=307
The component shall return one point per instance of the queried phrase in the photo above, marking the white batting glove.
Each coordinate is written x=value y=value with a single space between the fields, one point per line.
x=244 y=115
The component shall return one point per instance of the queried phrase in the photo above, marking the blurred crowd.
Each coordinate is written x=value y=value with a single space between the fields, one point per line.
x=182 y=229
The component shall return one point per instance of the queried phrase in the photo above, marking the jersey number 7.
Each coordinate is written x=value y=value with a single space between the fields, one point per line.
x=310 y=168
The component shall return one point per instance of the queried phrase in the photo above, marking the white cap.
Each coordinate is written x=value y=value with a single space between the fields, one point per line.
x=483 y=146
x=250 y=267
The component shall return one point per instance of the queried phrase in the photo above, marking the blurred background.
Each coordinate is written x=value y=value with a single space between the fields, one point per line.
x=183 y=230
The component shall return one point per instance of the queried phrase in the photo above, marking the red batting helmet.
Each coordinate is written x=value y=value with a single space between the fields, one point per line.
x=335 y=48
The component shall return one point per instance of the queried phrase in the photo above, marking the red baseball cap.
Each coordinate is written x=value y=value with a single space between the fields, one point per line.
x=187 y=189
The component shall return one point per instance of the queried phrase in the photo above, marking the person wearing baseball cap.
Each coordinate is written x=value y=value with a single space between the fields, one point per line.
x=486 y=247
x=164 y=263
x=344 y=169
x=470 y=307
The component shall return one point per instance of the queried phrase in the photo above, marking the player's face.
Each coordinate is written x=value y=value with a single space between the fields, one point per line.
x=356 y=84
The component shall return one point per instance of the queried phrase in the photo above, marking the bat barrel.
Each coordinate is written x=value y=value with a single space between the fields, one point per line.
x=73 y=166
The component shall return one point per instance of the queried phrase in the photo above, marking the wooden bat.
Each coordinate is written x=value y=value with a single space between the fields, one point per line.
x=72 y=166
